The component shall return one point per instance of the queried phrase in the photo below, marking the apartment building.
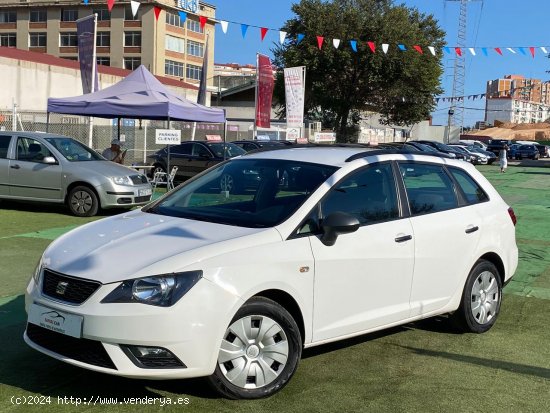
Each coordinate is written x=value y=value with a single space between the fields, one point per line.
x=170 y=46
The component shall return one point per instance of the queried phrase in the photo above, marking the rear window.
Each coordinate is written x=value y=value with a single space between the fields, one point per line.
x=4 y=145
x=473 y=192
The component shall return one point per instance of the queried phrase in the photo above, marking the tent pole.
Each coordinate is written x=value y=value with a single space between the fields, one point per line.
x=224 y=134
x=47 y=122
x=168 y=163
x=118 y=128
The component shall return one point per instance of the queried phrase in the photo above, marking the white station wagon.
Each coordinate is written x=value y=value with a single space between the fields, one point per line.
x=307 y=246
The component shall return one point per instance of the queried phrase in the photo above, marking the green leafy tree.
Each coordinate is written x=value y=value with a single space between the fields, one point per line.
x=340 y=83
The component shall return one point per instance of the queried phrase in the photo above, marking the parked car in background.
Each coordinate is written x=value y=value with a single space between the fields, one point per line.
x=512 y=150
x=193 y=157
x=52 y=168
x=527 y=151
x=441 y=147
x=491 y=157
x=470 y=155
x=223 y=286
x=543 y=151
x=415 y=147
x=475 y=143
x=495 y=145
x=260 y=144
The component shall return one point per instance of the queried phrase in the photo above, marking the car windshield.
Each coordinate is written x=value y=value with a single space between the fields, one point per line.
x=74 y=151
x=254 y=193
x=231 y=150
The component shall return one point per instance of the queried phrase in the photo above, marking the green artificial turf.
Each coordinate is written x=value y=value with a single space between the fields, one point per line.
x=420 y=367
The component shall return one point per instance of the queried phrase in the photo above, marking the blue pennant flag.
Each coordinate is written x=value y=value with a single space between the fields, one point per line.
x=244 y=28
x=353 y=44
x=402 y=47
x=86 y=2
x=183 y=16
x=484 y=50
x=447 y=50
x=300 y=37
x=522 y=51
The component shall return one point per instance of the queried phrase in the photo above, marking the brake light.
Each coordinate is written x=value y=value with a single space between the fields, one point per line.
x=512 y=215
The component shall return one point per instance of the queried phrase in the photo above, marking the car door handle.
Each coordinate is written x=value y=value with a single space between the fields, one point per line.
x=471 y=229
x=15 y=166
x=403 y=238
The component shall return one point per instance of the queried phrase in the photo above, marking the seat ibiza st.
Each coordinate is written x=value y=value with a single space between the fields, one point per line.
x=312 y=245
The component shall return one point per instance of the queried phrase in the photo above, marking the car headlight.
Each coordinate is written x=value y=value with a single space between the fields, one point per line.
x=160 y=290
x=37 y=271
x=121 y=180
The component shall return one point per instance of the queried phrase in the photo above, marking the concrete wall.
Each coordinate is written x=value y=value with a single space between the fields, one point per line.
x=425 y=131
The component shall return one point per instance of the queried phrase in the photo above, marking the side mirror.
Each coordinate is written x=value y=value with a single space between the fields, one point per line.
x=337 y=223
x=50 y=160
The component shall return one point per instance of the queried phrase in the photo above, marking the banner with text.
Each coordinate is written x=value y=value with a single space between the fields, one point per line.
x=86 y=33
x=264 y=92
x=167 y=137
x=295 y=93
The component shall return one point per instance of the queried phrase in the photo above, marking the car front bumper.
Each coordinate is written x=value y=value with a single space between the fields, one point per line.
x=123 y=196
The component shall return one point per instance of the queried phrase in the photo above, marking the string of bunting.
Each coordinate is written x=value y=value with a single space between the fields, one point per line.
x=354 y=44
x=502 y=93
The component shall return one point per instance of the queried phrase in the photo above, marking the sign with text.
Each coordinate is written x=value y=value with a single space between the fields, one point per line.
x=294 y=93
x=264 y=92
x=293 y=134
x=324 y=137
x=189 y=5
x=167 y=137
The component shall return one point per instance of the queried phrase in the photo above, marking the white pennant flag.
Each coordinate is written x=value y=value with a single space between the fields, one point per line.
x=432 y=50
x=472 y=51
x=544 y=50
x=282 y=37
x=385 y=47
x=224 y=26
x=135 y=6
x=336 y=43
x=511 y=50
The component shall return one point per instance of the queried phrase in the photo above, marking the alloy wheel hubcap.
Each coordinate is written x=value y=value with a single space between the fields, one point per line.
x=485 y=298
x=82 y=202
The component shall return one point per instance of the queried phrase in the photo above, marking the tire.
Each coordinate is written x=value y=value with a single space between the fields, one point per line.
x=82 y=202
x=481 y=299
x=257 y=365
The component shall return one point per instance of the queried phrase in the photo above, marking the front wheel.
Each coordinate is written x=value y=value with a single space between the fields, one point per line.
x=259 y=352
x=83 y=202
x=481 y=299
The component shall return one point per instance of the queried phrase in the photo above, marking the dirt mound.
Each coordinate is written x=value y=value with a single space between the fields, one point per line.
x=521 y=131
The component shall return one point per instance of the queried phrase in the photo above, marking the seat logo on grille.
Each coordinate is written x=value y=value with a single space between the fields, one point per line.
x=61 y=287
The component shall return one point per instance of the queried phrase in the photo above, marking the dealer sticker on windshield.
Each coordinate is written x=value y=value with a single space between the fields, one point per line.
x=55 y=320
x=145 y=192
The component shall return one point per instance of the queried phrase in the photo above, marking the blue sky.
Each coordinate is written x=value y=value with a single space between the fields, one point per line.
x=491 y=23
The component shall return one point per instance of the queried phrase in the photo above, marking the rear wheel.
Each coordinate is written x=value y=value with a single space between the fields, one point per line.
x=83 y=202
x=259 y=353
x=481 y=299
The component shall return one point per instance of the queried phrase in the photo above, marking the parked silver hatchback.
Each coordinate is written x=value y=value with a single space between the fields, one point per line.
x=45 y=167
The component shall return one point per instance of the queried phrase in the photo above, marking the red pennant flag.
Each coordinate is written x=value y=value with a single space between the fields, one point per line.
x=110 y=4
x=372 y=46
x=263 y=31
x=320 y=40
x=497 y=49
x=458 y=51
x=418 y=49
x=532 y=50
x=157 y=12
x=202 y=20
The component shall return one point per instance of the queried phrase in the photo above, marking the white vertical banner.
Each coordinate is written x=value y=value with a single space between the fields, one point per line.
x=295 y=94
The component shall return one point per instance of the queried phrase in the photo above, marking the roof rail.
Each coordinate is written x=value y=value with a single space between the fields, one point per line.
x=389 y=152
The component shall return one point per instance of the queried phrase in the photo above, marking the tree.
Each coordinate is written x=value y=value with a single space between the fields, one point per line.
x=340 y=83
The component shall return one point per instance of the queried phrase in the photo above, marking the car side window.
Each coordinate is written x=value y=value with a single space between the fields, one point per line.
x=429 y=188
x=199 y=150
x=184 y=149
x=4 y=146
x=370 y=195
x=31 y=150
x=472 y=191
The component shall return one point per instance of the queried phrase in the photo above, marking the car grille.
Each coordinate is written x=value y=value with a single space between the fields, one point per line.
x=68 y=289
x=139 y=179
x=81 y=349
x=142 y=198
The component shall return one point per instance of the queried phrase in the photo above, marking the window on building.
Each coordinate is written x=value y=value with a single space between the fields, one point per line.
x=128 y=15
x=37 y=39
x=174 y=20
x=69 y=15
x=132 y=63
x=132 y=39
x=103 y=39
x=175 y=44
x=8 y=16
x=38 y=15
x=8 y=39
x=68 y=39
x=193 y=72
x=102 y=60
x=173 y=68
x=195 y=48
x=194 y=26
x=102 y=14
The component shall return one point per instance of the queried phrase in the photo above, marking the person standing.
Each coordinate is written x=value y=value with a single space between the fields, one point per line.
x=503 y=158
x=114 y=153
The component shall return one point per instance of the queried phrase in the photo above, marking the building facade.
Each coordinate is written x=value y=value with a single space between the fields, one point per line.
x=170 y=46
x=517 y=99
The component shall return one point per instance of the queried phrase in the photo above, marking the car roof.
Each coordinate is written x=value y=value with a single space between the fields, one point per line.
x=33 y=134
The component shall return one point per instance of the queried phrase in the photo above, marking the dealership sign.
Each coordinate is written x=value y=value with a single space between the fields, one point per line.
x=167 y=137
x=324 y=137
x=189 y=5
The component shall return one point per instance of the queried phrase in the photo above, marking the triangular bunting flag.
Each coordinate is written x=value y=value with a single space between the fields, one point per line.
x=86 y=3
x=432 y=50
x=263 y=32
x=244 y=29
x=110 y=4
x=472 y=51
x=183 y=16
x=320 y=40
x=372 y=46
x=458 y=51
x=447 y=50
x=544 y=50
x=474 y=97
x=482 y=95
x=300 y=37
x=135 y=6
x=353 y=44
x=522 y=51
x=436 y=100
x=418 y=49
x=511 y=50
x=224 y=25
x=282 y=37
x=484 y=50
x=497 y=49
x=402 y=47
x=336 y=43
x=202 y=20
x=157 y=12
x=532 y=51
x=385 y=47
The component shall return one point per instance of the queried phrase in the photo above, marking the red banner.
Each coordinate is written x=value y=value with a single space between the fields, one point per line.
x=264 y=92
